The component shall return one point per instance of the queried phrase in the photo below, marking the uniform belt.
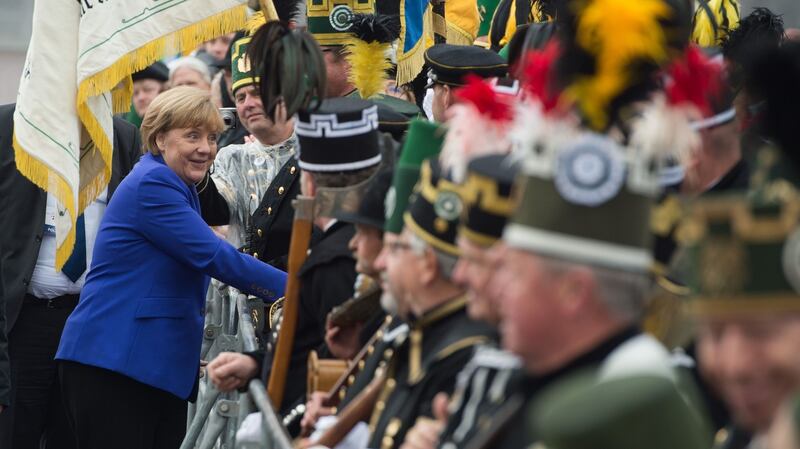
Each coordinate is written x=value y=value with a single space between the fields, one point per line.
x=59 y=302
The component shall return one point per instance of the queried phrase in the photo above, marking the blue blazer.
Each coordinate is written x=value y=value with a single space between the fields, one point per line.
x=141 y=310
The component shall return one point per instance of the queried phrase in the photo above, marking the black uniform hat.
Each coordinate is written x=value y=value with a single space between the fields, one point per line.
x=371 y=209
x=435 y=210
x=341 y=135
x=487 y=198
x=449 y=64
x=157 y=71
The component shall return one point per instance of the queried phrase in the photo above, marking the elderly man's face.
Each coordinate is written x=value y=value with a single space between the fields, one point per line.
x=527 y=293
x=389 y=301
x=473 y=271
x=401 y=269
x=754 y=361
x=185 y=76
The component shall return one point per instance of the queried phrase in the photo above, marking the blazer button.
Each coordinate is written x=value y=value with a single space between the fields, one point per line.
x=292 y=170
x=269 y=210
x=280 y=190
x=259 y=232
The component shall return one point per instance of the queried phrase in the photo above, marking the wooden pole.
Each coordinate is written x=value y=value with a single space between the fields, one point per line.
x=298 y=247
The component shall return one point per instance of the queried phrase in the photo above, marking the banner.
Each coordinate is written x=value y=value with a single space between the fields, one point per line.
x=77 y=74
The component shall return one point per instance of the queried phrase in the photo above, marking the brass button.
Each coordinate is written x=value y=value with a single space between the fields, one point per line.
x=269 y=210
x=255 y=255
x=292 y=170
x=280 y=190
x=259 y=232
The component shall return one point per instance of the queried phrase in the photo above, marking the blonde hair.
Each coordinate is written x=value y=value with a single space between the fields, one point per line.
x=179 y=107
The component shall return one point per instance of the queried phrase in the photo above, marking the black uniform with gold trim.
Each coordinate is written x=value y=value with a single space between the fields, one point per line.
x=484 y=385
x=439 y=344
x=270 y=231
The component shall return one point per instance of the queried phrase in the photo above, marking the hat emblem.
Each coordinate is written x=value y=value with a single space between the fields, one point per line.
x=448 y=206
x=341 y=17
x=791 y=260
x=590 y=171
x=243 y=65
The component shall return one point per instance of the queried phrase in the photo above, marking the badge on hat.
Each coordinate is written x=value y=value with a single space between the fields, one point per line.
x=590 y=171
x=329 y=21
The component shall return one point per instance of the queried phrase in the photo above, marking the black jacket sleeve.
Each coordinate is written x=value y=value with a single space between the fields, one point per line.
x=5 y=367
x=213 y=207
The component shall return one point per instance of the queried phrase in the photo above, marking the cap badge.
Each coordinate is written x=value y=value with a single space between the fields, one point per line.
x=448 y=206
x=341 y=17
x=590 y=171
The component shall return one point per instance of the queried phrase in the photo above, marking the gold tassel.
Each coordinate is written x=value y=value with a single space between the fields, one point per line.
x=105 y=80
x=410 y=63
x=121 y=96
x=255 y=22
x=49 y=180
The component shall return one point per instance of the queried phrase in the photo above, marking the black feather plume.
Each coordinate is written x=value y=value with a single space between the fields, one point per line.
x=771 y=77
x=381 y=28
x=290 y=65
x=760 y=28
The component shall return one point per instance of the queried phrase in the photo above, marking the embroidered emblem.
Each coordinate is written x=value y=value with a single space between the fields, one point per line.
x=591 y=171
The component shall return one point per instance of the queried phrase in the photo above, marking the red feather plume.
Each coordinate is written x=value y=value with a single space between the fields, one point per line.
x=537 y=75
x=694 y=79
x=483 y=96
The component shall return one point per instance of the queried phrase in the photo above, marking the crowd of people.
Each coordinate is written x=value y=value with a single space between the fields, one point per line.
x=579 y=229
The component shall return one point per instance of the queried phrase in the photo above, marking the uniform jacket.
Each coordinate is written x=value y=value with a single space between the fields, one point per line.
x=444 y=339
x=270 y=231
x=327 y=278
x=483 y=387
x=142 y=308
x=271 y=224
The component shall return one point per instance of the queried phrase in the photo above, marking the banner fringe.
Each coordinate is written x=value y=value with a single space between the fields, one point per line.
x=410 y=63
x=106 y=80
x=48 y=180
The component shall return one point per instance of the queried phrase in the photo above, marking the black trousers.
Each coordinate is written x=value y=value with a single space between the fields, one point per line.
x=35 y=418
x=110 y=410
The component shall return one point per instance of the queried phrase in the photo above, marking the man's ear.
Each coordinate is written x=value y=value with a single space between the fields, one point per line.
x=575 y=289
x=447 y=95
x=428 y=267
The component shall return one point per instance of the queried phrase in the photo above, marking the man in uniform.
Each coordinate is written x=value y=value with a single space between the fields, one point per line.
x=339 y=153
x=330 y=22
x=242 y=174
x=742 y=261
x=743 y=268
x=492 y=375
x=424 y=139
x=448 y=67
x=418 y=267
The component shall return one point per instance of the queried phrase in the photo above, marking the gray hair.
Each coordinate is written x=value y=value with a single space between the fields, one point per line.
x=445 y=262
x=624 y=293
x=190 y=62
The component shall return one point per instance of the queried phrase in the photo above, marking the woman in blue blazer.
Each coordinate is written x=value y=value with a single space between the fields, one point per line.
x=130 y=352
